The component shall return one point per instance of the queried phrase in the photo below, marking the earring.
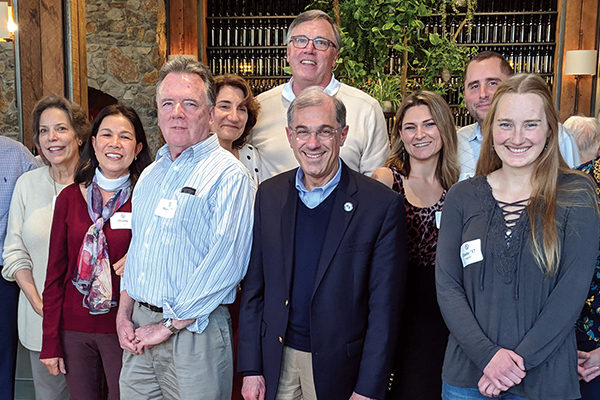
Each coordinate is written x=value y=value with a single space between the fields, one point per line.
x=493 y=148
x=403 y=153
x=135 y=158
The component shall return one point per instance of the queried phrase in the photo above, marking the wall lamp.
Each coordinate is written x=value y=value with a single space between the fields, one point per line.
x=579 y=63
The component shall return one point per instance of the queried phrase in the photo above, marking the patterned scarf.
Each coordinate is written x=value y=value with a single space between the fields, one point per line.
x=93 y=275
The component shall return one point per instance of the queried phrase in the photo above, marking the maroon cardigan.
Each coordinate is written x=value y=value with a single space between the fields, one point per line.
x=62 y=302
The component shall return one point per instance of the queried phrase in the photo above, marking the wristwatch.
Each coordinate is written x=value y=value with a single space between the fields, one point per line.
x=168 y=323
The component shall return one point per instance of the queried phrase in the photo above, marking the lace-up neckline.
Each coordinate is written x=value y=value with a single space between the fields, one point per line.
x=511 y=212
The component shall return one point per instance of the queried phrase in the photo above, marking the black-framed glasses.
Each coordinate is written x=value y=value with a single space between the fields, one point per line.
x=324 y=133
x=301 y=41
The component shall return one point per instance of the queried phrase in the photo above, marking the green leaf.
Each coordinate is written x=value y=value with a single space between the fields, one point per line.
x=435 y=39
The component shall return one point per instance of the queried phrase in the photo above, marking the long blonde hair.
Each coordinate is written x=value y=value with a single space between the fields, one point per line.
x=447 y=169
x=546 y=191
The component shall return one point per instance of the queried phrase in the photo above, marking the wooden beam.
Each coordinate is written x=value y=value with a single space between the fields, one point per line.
x=79 y=54
x=30 y=54
x=204 y=27
x=51 y=37
x=183 y=27
x=41 y=53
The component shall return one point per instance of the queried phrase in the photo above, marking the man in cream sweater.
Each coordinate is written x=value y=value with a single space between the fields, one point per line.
x=313 y=43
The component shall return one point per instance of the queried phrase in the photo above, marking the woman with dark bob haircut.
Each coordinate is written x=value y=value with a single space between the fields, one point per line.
x=83 y=279
x=236 y=111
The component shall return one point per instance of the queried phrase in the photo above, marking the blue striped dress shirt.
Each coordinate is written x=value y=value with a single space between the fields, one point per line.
x=190 y=262
x=15 y=160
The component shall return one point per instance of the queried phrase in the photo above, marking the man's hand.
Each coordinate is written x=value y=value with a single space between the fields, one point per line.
x=356 y=396
x=505 y=369
x=487 y=388
x=254 y=387
x=55 y=365
x=119 y=266
x=125 y=328
x=151 y=335
x=588 y=364
x=126 y=335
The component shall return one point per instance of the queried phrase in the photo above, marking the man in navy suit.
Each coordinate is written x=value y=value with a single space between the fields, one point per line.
x=321 y=299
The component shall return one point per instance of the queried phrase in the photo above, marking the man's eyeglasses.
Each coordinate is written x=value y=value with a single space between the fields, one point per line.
x=301 y=41
x=321 y=133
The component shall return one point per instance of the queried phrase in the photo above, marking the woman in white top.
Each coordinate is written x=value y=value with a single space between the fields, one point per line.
x=60 y=129
x=236 y=111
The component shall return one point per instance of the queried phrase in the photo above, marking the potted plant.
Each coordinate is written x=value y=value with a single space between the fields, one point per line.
x=386 y=89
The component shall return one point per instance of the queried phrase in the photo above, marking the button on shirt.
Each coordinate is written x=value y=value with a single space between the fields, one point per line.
x=314 y=197
x=189 y=261
x=15 y=159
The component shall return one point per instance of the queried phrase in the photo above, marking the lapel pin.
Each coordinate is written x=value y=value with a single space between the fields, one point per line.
x=348 y=207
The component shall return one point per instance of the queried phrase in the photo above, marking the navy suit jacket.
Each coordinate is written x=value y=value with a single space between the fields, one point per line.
x=357 y=292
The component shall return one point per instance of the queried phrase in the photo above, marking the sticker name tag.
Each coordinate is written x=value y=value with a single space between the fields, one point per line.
x=166 y=208
x=438 y=219
x=121 y=220
x=470 y=252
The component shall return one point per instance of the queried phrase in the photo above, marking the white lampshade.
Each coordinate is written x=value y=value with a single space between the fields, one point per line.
x=4 y=33
x=581 y=62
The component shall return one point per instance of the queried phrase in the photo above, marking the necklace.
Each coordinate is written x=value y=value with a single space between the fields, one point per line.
x=53 y=181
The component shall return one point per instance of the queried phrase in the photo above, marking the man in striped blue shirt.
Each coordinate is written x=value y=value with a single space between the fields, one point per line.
x=15 y=160
x=191 y=236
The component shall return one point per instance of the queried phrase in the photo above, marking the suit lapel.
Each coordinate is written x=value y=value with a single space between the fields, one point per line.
x=288 y=229
x=344 y=207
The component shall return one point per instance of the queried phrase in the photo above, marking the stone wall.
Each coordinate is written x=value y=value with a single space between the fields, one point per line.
x=9 y=117
x=125 y=49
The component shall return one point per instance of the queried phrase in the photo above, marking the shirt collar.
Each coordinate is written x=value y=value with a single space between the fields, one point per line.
x=331 y=89
x=198 y=150
x=476 y=134
x=314 y=197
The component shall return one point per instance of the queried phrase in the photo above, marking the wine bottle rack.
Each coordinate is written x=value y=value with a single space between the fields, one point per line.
x=247 y=37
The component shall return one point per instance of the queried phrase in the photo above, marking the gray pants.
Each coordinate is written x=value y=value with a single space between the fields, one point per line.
x=47 y=386
x=186 y=366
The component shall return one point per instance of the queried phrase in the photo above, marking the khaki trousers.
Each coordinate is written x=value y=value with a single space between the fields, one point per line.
x=186 y=366
x=296 y=380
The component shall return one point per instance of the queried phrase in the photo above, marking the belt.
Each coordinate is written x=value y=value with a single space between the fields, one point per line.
x=150 y=307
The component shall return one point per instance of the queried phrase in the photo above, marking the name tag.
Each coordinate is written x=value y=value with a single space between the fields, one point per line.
x=166 y=208
x=470 y=252
x=438 y=219
x=121 y=220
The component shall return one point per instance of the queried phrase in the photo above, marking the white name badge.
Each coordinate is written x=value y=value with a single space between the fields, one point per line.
x=470 y=252
x=166 y=208
x=438 y=219
x=121 y=220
